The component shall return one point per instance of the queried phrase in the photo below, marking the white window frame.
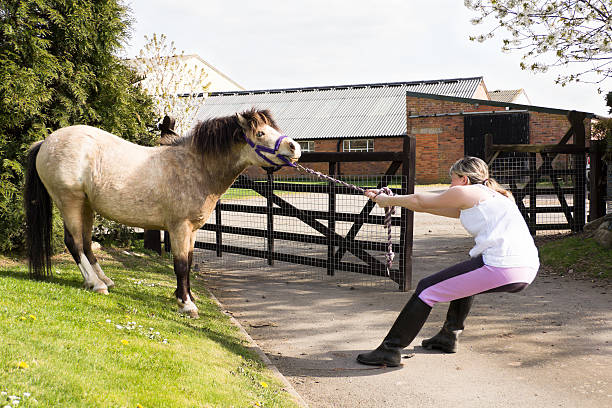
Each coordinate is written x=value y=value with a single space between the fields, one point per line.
x=356 y=145
x=310 y=145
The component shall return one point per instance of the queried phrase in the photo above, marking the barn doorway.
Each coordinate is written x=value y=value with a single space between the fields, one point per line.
x=506 y=128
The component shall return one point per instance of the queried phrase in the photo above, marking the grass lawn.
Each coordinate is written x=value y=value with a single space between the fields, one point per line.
x=62 y=346
x=579 y=255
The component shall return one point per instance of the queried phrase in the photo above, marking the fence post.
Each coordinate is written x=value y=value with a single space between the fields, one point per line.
x=533 y=197
x=577 y=121
x=270 y=213
x=218 y=233
x=407 y=219
x=152 y=240
x=597 y=202
x=331 y=264
x=167 y=243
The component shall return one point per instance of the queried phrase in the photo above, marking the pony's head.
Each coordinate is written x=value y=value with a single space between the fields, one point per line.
x=268 y=146
x=255 y=131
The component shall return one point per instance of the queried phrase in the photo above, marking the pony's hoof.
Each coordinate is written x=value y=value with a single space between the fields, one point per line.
x=189 y=308
x=109 y=283
x=192 y=313
x=103 y=290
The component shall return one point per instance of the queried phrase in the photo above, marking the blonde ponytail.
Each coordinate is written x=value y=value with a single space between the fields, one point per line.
x=493 y=184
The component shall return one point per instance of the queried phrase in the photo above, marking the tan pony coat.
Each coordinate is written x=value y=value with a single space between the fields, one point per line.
x=175 y=188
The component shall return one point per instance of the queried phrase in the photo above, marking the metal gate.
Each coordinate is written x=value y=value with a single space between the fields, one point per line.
x=549 y=182
x=282 y=221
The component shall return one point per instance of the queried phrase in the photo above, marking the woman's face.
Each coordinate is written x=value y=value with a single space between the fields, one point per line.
x=459 y=180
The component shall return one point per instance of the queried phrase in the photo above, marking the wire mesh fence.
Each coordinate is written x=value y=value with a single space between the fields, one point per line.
x=302 y=227
x=551 y=190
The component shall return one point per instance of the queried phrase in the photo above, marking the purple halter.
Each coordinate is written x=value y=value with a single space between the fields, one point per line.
x=260 y=149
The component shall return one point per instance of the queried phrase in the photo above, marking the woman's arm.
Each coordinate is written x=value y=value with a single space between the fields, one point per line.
x=448 y=203
x=445 y=212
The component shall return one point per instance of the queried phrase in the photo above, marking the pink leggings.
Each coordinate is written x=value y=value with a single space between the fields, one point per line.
x=471 y=278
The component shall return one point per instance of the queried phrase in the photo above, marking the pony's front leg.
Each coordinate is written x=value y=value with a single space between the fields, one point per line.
x=182 y=251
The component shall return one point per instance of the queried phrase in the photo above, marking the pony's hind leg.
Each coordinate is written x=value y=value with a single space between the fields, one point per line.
x=88 y=218
x=90 y=278
x=72 y=212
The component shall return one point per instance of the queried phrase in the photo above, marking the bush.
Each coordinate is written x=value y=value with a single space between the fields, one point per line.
x=110 y=233
x=58 y=67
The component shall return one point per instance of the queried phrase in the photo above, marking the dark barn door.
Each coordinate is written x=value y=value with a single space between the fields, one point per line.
x=506 y=128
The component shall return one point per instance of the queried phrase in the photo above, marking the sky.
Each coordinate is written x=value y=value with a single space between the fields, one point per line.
x=271 y=44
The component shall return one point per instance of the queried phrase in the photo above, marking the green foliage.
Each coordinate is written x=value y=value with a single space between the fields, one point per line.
x=58 y=67
x=602 y=129
x=110 y=233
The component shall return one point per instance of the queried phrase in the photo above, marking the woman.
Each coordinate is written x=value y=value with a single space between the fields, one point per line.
x=504 y=259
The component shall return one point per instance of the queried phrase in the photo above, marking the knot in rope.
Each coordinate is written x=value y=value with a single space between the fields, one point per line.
x=389 y=211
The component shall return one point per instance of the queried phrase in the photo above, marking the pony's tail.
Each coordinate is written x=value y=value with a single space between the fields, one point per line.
x=38 y=214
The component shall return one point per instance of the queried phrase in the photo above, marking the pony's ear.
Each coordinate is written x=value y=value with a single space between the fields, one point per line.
x=244 y=124
x=168 y=123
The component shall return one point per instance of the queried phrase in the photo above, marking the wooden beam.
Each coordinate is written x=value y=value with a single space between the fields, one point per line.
x=577 y=121
x=523 y=148
x=318 y=157
x=407 y=216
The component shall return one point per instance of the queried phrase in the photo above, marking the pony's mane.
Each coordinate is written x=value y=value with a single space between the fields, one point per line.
x=217 y=136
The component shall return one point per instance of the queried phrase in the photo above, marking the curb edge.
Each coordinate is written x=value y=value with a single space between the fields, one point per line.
x=288 y=387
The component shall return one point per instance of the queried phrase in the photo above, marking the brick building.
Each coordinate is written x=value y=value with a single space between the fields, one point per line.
x=448 y=118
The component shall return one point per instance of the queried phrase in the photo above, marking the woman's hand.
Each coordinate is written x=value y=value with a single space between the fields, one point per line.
x=380 y=198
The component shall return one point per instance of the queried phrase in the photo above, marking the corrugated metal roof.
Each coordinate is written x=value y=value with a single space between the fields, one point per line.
x=505 y=95
x=352 y=111
x=461 y=87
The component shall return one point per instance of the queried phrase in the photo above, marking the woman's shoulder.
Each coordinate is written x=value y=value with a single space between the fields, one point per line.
x=468 y=196
x=473 y=190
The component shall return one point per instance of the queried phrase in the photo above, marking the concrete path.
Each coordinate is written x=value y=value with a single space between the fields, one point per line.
x=549 y=346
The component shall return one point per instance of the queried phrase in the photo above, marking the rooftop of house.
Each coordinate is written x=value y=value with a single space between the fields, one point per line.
x=364 y=110
x=509 y=95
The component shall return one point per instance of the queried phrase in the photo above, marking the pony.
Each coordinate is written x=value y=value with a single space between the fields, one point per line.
x=83 y=169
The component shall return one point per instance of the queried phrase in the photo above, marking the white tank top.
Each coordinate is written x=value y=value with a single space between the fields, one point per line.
x=500 y=232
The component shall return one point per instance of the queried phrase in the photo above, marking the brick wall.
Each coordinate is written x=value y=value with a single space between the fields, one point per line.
x=387 y=144
x=433 y=161
x=439 y=140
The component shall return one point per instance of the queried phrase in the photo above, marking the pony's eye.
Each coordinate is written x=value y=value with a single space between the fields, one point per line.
x=259 y=134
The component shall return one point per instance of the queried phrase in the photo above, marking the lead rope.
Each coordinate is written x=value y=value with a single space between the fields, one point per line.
x=389 y=211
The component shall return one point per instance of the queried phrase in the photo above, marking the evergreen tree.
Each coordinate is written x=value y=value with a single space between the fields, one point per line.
x=58 y=67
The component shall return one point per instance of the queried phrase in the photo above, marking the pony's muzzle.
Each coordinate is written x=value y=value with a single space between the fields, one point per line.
x=291 y=150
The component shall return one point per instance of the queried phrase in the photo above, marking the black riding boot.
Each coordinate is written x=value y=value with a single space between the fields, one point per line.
x=404 y=330
x=446 y=339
